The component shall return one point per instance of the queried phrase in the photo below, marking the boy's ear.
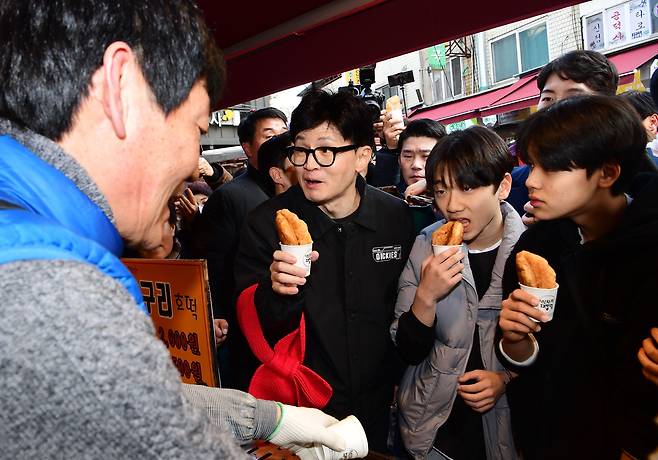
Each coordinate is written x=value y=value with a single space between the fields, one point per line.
x=609 y=173
x=363 y=157
x=653 y=123
x=504 y=187
x=275 y=175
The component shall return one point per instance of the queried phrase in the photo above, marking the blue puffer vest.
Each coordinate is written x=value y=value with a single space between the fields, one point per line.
x=47 y=217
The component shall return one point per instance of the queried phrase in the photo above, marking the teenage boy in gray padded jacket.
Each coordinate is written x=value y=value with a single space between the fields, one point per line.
x=452 y=397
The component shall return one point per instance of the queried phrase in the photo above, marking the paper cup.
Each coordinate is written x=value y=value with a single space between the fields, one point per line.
x=352 y=432
x=303 y=254
x=546 y=299
x=396 y=116
x=439 y=248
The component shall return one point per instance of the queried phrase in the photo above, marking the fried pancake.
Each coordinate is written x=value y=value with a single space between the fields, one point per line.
x=534 y=271
x=393 y=103
x=449 y=234
x=291 y=229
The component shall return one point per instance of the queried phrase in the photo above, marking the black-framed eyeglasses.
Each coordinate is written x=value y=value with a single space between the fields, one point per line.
x=324 y=156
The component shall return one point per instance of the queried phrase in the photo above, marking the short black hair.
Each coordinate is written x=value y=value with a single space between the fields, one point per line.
x=50 y=50
x=583 y=66
x=641 y=101
x=585 y=132
x=423 y=127
x=247 y=127
x=346 y=112
x=474 y=157
x=273 y=152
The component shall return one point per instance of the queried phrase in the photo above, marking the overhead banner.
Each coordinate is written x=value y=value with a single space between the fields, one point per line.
x=177 y=297
x=436 y=56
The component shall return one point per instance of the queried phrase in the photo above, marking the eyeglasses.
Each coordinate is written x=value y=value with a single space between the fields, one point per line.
x=324 y=156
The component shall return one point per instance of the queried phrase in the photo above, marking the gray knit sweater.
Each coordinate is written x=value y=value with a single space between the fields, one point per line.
x=82 y=374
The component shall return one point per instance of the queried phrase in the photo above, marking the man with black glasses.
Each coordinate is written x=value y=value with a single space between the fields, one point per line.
x=361 y=240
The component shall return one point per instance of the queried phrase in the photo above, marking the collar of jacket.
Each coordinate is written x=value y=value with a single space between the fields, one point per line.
x=320 y=223
x=29 y=182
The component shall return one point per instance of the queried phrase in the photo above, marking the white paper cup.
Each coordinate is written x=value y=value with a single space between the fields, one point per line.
x=303 y=254
x=396 y=116
x=352 y=432
x=546 y=299
x=439 y=248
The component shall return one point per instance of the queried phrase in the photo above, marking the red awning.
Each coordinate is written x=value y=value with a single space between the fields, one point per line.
x=629 y=60
x=460 y=109
x=274 y=46
x=525 y=93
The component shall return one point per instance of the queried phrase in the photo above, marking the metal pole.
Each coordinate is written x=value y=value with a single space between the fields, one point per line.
x=404 y=101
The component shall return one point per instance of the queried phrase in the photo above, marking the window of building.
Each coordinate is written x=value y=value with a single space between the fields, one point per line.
x=449 y=82
x=387 y=91
x=519 y=52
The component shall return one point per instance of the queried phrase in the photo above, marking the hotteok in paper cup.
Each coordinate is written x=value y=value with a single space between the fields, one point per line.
x=303 y=254
x=439 y=248
x=546 y=299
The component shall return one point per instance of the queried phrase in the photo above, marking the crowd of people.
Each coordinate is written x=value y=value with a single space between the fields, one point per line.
x=439 y=356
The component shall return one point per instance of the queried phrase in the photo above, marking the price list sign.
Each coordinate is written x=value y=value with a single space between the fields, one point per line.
x=177 y=297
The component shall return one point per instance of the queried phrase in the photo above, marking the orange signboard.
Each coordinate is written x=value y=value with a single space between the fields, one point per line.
x=177 y=297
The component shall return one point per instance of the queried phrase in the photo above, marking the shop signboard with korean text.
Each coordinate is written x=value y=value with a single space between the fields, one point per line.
x=177 y=297
x=620 y=25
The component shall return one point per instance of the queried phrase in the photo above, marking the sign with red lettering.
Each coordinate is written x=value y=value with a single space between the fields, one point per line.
x=177 y=297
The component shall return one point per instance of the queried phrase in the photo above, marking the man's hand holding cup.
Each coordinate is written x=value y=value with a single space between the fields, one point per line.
x=291 y=264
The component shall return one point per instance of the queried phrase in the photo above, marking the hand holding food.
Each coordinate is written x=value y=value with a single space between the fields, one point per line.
x=295 y=241
x=449 y=234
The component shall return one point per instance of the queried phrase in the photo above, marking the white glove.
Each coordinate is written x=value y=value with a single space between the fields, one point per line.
x=351 y=430
x=305 y=426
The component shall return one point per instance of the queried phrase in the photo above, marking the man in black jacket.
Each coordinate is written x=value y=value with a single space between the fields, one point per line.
x=361 y=237
x=221 y=222
x=580 y=392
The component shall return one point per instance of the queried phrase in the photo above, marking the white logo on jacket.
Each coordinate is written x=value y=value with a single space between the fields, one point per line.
x=387 y=253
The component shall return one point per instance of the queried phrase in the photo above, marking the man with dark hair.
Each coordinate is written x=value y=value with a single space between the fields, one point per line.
x=219 y=229
x=575 y=73
x=258 y=127
x=361 y=239
x=416 y=143
x=643 y=104
x=273 y=161
x=102 y=104
x=580 y=392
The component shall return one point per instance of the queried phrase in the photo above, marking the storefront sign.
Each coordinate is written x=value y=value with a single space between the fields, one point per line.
x=616 y=19
x=459 y=125
x=353 y=76
x=640 y=19
x=226 y=116
x=177 y=297
x=436 y=56
x=595 y=32
x=619 y=25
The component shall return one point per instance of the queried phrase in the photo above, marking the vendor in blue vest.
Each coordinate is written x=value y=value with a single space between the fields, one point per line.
x=102 y=105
